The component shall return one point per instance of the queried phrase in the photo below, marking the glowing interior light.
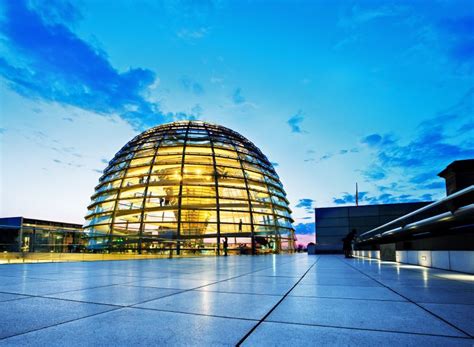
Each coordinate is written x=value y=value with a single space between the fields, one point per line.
x=191 y=182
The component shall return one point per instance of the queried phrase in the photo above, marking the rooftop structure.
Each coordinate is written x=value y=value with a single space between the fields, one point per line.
x=19 y=234
x=458 y=175
x=190 y=183
x=334 y=223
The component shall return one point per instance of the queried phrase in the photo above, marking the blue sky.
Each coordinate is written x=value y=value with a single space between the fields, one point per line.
x=333 y=92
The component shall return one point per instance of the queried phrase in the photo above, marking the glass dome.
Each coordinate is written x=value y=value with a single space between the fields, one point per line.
x=188 y=185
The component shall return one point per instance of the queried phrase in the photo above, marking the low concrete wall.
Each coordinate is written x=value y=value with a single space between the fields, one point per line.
x=461 y=261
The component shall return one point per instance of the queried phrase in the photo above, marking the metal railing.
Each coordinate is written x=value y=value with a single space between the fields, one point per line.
x=458 y=206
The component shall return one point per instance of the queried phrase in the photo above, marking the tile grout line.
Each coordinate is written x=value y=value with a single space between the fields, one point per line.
x=275 y=306
x=209 y=284
x=179 y=291
x=367 y=329
x=60 y=323
x=195 y=314
x=115 y=307
x=408 y=299
x=437 y=276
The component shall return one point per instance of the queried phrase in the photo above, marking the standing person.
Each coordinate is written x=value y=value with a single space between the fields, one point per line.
x=225 y=246
x=347 y=243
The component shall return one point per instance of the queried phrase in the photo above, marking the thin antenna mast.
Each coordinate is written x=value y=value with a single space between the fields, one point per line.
x=357 y=195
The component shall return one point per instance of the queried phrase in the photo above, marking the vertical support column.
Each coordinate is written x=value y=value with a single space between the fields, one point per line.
x=20 y=236
x=117 y=199
x=275 y=224
x=145 y=193
x=249 y=199
x=178 y=246
x=216 y=185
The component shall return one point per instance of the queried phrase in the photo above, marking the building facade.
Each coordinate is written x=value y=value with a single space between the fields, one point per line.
x=334 y=223
x=19 y=234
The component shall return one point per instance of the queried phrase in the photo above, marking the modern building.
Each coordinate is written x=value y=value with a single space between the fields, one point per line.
x=19 y=234
x=458 y=175
x=334 y=223
x=189 y=185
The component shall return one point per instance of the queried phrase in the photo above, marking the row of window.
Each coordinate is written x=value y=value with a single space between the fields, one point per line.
x=157 y=196
x=201 y=173
x=128 y=207
x=171 y=194
x=202 y=157
x=170 y=229
x=200 y=164
x=175 y=137
x=280 y=217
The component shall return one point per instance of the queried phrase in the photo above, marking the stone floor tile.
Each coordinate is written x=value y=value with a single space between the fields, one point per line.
x=235 y=286
x=116 y=295
x=437 y=295
x=278 y=334
x=139 y=327
x=24 y=315
x=365 y=314
x=248 y=306
x=462 y=316
x=346 y=292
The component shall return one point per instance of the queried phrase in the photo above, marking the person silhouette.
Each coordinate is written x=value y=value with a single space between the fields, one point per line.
x=347 y=243
x=225 y=246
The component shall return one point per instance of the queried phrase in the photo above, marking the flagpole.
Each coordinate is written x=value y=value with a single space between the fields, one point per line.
x=357 y=195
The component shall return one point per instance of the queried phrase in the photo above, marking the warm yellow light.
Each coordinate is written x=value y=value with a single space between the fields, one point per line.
x=204 y=180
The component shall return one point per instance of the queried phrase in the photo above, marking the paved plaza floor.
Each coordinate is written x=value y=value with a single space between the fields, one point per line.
x=253 y=301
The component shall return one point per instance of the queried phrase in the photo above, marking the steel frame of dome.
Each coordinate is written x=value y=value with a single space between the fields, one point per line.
x=185 y=183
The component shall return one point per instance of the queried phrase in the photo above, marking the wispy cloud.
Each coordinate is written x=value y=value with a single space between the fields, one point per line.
x=217 y=80
x=329 y=155
x=306 y=204
x=67 y=164
x=295 y=123
x=240 y=102
x=372 y=140
x=448 y=43
x=190 y=85
x=458 y=34
x=237 y=96
x=374 y=172
x=46 y=60
x=358 y=15
x=435 y=143
x=384 y=198
x=193 y=34
x=304 y=229
x=197 y=110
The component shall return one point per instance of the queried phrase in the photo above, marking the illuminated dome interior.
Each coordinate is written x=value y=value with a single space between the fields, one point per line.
x=188 y=185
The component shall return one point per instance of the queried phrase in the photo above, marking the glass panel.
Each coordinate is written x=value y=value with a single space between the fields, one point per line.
x=148 y=175
x=225 y=192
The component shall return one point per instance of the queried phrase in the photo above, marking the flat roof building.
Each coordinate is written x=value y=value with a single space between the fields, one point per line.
x=334 y=223
x=20 y=234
